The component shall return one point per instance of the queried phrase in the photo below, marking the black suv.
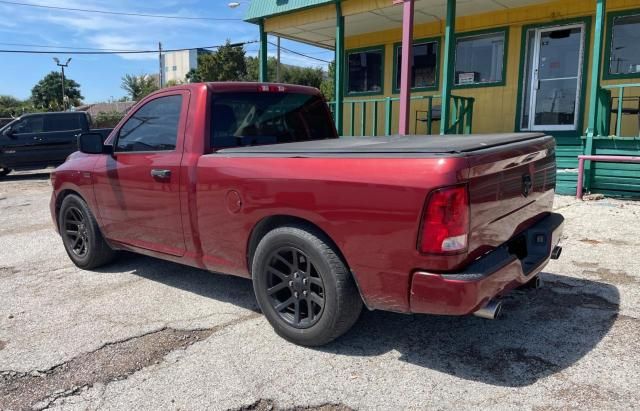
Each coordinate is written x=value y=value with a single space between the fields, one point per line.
x=41 y=140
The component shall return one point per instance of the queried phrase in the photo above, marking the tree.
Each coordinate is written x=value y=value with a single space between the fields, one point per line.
x=225 y=64
x=303 y=76
x=329 y=83
x=47 y=94
x=253 y=68
x=139 y=87
x=193 y=76
x=13 y=107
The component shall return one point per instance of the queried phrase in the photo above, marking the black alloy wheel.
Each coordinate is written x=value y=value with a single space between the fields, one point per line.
x=80 y=234
x=294 y=287
x=75 y=231
x=303 y=286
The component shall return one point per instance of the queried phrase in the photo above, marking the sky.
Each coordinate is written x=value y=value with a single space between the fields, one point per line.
x=100 y=75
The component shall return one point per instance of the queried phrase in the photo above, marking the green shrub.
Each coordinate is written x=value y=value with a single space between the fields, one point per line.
x=108 y=119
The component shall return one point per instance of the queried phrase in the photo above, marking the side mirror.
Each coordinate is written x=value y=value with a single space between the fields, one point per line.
x=92 y=143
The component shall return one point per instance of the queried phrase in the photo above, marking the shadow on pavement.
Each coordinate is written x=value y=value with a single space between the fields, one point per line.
x=541 y=333
x=220 y=287
x=40 y=175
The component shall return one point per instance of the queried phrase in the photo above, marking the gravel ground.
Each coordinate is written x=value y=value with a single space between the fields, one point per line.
x=147 y=334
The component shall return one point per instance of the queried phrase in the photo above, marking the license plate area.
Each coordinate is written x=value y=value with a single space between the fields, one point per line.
x=531 y=248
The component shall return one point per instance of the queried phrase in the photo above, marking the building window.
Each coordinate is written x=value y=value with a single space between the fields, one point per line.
x=365 y=70
x=424 y=68
x=175 y=68
x=480 y=59
x=624 y=52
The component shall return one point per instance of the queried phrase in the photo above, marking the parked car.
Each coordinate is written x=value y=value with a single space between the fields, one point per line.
x=252 y=180
x=41 y=140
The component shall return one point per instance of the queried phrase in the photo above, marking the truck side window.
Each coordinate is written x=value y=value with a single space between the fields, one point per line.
x=31 y=124
x=154 y=127
x=257 y=118
x=61 y=122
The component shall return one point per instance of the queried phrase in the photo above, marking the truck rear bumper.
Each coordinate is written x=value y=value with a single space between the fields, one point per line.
x=505 y=268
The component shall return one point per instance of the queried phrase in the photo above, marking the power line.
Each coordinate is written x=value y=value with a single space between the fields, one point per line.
x=13 y=3
x=98 y=51
x=107 y=51
x=300 y=54
x=59 y=47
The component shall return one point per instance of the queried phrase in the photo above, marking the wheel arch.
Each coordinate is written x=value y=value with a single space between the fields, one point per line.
x=267 y=224
x=270 y=223
x=60 y=198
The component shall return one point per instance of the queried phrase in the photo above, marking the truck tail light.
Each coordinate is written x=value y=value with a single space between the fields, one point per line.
x=445 y=224
x=271 y=88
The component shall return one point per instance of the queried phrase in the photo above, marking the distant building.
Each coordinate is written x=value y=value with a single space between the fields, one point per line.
x=176 y=64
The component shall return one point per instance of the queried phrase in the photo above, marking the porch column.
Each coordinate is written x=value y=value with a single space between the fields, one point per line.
x=596 y=69
x=262 y=70
x=405 y=64
x=339 y=69
x=449 y=70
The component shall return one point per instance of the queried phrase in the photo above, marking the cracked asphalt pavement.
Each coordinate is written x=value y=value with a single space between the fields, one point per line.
x=147 y=334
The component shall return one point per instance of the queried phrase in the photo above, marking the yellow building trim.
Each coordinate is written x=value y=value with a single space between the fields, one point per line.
x=547 y=12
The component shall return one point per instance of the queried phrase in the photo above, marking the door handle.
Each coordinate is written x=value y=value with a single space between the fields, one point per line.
x=161 y=174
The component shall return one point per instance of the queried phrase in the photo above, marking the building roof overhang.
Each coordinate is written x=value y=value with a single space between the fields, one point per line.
x=260 y=9
x=362 y=17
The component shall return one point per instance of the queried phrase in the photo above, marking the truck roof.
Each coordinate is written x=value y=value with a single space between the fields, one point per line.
x=243 y=86
x=247 y=86
x=53 y=113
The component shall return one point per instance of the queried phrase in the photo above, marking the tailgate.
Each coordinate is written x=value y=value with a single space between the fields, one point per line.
x=510 y=188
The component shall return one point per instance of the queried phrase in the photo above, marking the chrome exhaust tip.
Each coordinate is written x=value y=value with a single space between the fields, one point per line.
x=491 y=311
x=557 y=251
x=538 y=283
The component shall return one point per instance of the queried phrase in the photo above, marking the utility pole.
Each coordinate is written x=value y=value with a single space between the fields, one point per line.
x=160 y=82
x=278 y=60
x=62 y=66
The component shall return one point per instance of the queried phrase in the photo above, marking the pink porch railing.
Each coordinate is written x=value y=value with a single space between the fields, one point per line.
x=603 y=159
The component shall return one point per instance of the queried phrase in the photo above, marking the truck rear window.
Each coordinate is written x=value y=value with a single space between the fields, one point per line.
x=258 y=118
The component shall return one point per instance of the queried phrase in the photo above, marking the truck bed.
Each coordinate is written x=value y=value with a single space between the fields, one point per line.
x=436 y=145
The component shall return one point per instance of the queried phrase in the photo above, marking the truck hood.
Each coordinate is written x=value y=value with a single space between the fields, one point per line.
x=450 y=144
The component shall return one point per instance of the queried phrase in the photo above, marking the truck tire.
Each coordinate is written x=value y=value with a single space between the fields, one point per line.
x=303 y=287
x=81 y=235
x=4 y=171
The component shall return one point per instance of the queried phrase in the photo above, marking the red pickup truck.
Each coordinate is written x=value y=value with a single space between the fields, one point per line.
x=252 y=180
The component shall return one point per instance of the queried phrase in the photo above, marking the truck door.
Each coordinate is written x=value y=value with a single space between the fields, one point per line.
x=138 y=188
x=23 y=147
x=60 y=136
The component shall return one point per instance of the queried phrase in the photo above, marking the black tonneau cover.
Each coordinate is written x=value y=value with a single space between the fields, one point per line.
x=450 y=144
